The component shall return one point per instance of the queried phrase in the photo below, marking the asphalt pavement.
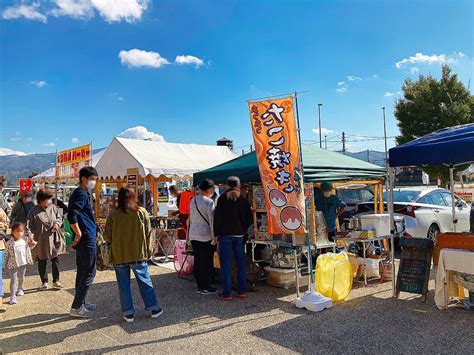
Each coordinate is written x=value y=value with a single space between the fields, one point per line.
x=369 y=321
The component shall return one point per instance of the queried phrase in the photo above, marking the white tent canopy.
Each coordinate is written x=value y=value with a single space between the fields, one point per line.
x=172 y=160
x=50 y=174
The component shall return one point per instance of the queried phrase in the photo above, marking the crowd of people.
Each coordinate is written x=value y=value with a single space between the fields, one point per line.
x=35 y=236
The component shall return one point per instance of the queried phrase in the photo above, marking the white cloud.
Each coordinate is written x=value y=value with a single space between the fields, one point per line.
x=140 y=58
x=50 y=144
x=39 y=83
x=78 y=9
x=388 y=94
x=421 y=58
x=341 y=86
x=8 y=151
x=75 y=140
x=29 y=12
x=353 y=78
x=189 y=60
x=110 y=10
x=414 y=70
x=15 y=139
x=324 y=131
x=140 y=132
x=114 y=11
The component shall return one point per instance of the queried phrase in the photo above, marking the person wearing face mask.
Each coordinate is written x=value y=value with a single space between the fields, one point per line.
x=44 y=222
x=21 y=208
x=82 y=220
x=331 y=206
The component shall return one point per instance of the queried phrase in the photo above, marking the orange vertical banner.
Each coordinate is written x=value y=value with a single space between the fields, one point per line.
x=278 y=155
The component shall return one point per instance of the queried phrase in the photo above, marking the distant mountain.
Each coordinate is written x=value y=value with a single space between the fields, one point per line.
x=15 y=167
x=371 y=156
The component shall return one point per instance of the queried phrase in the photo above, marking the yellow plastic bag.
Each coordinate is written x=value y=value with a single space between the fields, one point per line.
x=334 y=276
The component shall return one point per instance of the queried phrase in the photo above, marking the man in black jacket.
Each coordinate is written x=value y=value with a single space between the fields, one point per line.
x=232 y=218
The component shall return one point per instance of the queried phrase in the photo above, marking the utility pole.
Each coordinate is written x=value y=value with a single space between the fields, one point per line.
x=326 y=141
x=343 y=143
x=385 y=135
x=368 y=156
x=319 y=116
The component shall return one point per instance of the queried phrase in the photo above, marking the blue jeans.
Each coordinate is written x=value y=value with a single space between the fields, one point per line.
x=1 y=272
x=86 y=265
x=228 y=245
x=140 y=269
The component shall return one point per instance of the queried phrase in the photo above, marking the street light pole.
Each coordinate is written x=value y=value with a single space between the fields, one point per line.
x=319 y=118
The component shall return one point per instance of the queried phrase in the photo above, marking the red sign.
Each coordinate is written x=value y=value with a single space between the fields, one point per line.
x=25 y=186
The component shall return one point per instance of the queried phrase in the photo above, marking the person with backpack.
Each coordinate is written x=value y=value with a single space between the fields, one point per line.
x=201 y=235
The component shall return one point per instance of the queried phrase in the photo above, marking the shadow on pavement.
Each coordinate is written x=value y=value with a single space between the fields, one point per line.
x=418 y=326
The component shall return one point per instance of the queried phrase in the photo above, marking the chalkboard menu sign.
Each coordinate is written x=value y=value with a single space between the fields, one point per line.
x=415 y=265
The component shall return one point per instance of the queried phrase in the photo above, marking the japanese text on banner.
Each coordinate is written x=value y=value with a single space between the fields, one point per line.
x=70 y=161
x=278 y=156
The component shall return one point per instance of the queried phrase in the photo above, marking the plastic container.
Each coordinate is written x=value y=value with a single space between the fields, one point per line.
x=334 y=275
x=283 y=278
x=379 y=222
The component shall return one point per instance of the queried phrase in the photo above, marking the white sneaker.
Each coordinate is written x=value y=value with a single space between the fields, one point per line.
x=129 y=318
x=82 y=312
x=13 y=299
x=57 y=285
x=44 y=286
x=20 y=292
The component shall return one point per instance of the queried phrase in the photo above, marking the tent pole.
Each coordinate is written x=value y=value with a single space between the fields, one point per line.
x=451 y=187
x=390 y=183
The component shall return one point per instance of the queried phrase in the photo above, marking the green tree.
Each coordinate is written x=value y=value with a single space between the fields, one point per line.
x=429 y=104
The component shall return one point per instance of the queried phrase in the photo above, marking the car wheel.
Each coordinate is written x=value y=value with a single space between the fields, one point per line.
x=433 y=232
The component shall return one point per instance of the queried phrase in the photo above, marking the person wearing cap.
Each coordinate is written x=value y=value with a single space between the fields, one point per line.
x=232 y=218
x=201 y=235
x=21 y=208
x=331 y=206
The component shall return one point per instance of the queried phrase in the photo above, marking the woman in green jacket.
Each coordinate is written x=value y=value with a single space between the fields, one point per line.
x=128 y=230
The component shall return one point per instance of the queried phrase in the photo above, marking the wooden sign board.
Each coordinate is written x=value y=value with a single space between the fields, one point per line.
x=415 y=265
x=132 y=178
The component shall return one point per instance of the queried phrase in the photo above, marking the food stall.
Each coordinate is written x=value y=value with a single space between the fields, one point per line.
x=319 y=165
x=452 y=147
x=147 y=166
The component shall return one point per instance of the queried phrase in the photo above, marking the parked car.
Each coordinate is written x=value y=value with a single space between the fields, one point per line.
x=427 y=211
x=352 y=196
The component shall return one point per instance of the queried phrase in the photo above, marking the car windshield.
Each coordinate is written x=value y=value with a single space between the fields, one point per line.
x=403 y=195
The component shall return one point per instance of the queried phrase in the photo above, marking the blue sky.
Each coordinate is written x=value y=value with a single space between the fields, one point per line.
x=75 y=71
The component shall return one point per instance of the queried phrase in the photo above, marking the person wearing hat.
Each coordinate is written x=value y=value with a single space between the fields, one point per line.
x=21 y=208
x=331 y=206
x=232 y=218
x=201 y=235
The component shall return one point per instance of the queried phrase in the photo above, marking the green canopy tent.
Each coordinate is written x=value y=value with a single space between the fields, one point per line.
x=319 y=165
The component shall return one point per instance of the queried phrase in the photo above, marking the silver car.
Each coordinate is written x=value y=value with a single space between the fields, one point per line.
x=428 y=211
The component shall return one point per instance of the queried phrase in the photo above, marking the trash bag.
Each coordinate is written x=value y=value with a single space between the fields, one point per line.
x=334 y=276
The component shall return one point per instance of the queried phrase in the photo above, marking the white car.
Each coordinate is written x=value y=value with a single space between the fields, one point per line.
x=428 y=211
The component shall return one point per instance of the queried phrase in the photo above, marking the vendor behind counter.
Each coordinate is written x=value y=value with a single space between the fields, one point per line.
x=331 y=206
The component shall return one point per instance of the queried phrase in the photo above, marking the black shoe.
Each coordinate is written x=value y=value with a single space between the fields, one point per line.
x=208 y=291
x=156 y=313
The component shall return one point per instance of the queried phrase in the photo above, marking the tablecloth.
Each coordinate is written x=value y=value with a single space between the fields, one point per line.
x=451 y=260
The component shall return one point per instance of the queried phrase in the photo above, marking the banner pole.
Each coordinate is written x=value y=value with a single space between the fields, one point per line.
x=308 y=239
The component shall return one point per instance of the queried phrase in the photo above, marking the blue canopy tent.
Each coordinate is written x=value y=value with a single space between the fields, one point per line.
x=449 y=146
